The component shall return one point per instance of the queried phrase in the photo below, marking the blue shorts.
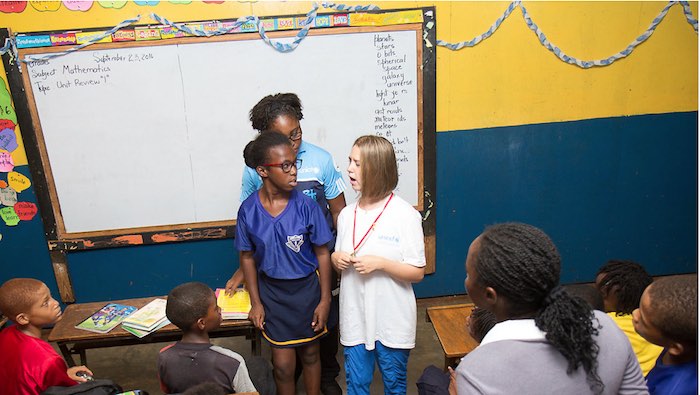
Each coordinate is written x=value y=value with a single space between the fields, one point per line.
x=289 y=309
x=359 y=368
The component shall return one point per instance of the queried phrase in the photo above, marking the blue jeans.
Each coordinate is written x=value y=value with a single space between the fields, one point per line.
x=359 y=368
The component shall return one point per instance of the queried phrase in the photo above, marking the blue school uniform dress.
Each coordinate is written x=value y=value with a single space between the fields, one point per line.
x=318 y=178
x=283 y=252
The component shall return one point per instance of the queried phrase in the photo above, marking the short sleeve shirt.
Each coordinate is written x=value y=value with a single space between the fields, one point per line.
x=318 y=178
x=28 y=365
x=283 y=245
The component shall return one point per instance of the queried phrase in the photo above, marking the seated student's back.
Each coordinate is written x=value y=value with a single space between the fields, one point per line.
x=194 y=360
x=545 y=341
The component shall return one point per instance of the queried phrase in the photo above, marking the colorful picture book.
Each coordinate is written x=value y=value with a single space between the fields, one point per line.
x=234 y=307
x=148 y=317
x=106 y=318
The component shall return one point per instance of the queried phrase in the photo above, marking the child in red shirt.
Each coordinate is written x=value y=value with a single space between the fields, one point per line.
x=28 y=364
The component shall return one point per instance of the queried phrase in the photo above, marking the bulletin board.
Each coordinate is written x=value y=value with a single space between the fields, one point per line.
x=140 y=141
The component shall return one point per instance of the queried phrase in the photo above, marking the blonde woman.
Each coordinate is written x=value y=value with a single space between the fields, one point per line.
x=379 y=252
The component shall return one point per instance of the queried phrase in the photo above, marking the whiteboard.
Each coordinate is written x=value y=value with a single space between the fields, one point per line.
x=144 y=136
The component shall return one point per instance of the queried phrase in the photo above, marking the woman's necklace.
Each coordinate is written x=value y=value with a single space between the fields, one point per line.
x=357 y=246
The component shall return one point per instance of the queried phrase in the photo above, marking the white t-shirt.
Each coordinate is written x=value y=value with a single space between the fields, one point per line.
x=375 y=306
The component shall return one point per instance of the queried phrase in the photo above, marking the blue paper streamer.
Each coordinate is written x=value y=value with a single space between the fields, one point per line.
x=585 y=64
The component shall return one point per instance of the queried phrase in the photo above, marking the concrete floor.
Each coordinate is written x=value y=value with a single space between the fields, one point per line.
x=134 y=367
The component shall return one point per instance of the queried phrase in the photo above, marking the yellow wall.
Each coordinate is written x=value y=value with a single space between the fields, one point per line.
x=508 y=79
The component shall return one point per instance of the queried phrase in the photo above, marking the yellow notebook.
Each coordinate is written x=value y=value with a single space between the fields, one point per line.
x=234 y=307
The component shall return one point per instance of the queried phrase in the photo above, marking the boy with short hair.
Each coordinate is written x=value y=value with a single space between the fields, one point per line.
x=621 y=284
x=667 y=316
x=194 y=360
x=28 y=364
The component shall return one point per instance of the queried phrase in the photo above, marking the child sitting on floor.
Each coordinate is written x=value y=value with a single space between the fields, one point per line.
x=667 y=316
x=28 y=364
x=621 y=284
x=194 y=360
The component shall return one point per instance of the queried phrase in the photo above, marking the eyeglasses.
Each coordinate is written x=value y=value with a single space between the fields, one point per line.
x=296 y=134
x=286 y=166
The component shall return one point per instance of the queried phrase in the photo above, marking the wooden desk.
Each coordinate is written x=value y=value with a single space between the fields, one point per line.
x=450 y=324
x=72 y=341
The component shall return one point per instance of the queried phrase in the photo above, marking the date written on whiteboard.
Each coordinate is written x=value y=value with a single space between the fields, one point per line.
x=117 y=57
x=139 y=57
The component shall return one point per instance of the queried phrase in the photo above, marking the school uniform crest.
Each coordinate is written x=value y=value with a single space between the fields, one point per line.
x=294 y=242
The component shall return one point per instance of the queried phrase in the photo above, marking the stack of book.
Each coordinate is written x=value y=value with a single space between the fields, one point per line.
x=233 y=307
x=106 y=318
x=147 y=319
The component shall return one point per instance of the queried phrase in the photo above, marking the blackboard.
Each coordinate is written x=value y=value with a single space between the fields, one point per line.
x=141 y=142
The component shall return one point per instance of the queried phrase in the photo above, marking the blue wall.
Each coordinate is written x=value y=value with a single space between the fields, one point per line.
x=23 y=250
x=622 y=187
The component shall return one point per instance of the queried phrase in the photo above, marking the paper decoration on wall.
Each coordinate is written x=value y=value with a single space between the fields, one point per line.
x=25 y=210
x=147 y=2
x=6 y=162
x=8 y=140
x=214 y=1
x=9 y=216
x=6 y=109
x=112 y=4
x=18 y=181
x=6 y=124
x=12 y=6
x=8 y=197
x=77 y=5
x=41 y=5
x=3 y=184
x=180 y=1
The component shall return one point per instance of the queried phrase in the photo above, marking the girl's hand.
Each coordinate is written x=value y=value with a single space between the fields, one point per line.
x=341 y=260
x=257 y=316
x=453 y=381
x=75 y=369
x=366 y=264
x=320 y=316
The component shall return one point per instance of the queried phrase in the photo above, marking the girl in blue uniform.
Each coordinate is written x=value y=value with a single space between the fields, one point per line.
x=281 y=235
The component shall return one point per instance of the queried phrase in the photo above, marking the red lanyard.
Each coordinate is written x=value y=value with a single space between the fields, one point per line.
x=356 y=247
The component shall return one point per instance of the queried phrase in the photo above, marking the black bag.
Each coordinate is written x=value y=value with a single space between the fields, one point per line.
x=433 y=381
x=94 y=387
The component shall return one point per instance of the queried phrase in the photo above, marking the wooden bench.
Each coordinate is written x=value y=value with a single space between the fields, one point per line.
x=72 y=341
x=450 y=324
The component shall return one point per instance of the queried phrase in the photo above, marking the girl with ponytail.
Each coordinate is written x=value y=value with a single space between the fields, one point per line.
x=545 y=341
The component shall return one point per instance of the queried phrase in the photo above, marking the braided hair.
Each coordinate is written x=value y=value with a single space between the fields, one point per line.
x=522 y=264
x=263 y=114
x=627 y=280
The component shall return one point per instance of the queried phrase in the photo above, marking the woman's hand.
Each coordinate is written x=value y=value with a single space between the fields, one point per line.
x=321 y=316
x=341 y=260
x=257 y=315
x=236 y=279
x=366 y=264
